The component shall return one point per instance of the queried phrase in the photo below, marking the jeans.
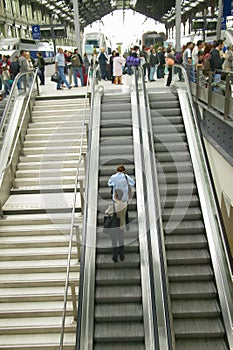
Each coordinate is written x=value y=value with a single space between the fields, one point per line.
x=62 y=77
x=77 y=70
x=152 y=72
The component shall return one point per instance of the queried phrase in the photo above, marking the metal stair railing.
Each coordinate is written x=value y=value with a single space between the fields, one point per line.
x=28 y=90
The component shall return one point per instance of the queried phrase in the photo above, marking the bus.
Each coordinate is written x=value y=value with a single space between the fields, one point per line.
x=152 y=38
x=95 y=41
x=13 y=46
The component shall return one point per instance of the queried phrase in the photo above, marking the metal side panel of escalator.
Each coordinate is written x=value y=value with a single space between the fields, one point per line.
x=118 y=315
x=197 y=317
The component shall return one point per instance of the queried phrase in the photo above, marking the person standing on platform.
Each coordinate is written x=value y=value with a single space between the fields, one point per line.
x=117 y=68
x=23 y=68
x=59 y=68
x=103 y=59
x=77 y=66
x=41 y=66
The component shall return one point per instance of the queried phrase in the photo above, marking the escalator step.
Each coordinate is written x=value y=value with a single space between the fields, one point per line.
x=176 y=178
x=161 y=120
x=201 y=344
x=117 y=294
x=131 y=261
x=185 y=241
x=189 y=290
x=118 y=276
x=188 y=256
x=174 y=167
x=199 y=328
x=176 y=214
x=190 y=273
x=171 y=148
x=200 y=308
x=113 y=108
x=168 y=138
x=115 y=158
x=179 y=188
x=130 y=312
x=168 y=129
x=115 y=332
x=117 y=131
x=120 y=346
x=184 y=227
x=182 y=201
x=180 y=156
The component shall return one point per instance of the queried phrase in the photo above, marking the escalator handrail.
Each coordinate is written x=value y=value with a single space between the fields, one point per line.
x=213 y=222
x=149 y=319
x=156 y=236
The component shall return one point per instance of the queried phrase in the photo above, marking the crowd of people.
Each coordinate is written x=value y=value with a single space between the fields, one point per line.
x=20 y=64
x=157 y=62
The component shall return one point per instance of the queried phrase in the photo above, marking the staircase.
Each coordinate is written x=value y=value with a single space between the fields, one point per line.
x=196 y=314
x=34 y=234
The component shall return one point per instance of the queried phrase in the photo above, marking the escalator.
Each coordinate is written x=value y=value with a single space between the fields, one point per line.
x=118 y=299
x=197 y=318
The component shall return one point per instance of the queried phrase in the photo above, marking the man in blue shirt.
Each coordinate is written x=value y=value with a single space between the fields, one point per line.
x=59 y=68
x=121 y=181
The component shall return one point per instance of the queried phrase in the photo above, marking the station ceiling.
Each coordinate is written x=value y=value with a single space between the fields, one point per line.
x=159 y=10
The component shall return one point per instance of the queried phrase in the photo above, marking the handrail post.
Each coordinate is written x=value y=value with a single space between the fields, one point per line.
x=1 y=211
x=74 y=302
x=78 y=244
x=81 y=196
x=84 y=160
x=227 y=97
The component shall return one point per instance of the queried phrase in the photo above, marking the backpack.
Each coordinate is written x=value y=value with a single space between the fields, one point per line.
x=206 y=66
x=75 y=61
x=179 y=57
x=14 y=66
x=132 y=61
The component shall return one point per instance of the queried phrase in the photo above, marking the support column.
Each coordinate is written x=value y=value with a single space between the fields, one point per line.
x=77 y=26
x=219 y=22
x=178 y=24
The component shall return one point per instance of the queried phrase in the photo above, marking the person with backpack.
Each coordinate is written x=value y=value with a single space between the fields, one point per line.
x=77 y=65
x=41 y=66
x=14 y=67
x=216 y=62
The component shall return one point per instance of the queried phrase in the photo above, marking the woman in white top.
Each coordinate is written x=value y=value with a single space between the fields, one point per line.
x=117 y=68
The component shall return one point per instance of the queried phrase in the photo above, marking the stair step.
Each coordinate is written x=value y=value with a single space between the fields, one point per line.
x=49 y=341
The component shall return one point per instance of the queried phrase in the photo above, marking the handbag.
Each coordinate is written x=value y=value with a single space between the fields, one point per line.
x=55 y=77
x=111 y=221
x=170 y=61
